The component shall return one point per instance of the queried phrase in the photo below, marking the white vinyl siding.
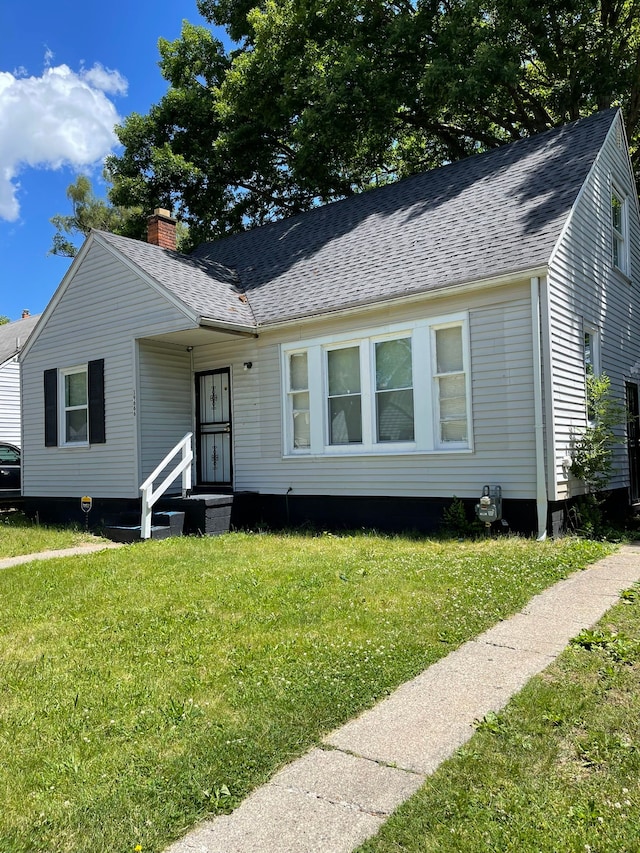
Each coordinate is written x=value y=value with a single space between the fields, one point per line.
x=501 y=410
x=104 y=308
x=165 y=401
x=587 y=292
x=10 y=401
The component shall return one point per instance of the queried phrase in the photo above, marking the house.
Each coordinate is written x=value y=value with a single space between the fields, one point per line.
x=362 y=363
x=13 y=336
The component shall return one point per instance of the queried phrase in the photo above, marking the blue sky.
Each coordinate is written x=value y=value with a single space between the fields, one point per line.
x=68 y=71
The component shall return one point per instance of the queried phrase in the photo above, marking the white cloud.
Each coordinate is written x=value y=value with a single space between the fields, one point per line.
x=60 y=118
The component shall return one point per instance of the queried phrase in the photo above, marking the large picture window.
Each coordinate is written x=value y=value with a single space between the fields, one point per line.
x=394 y=390
x=345 y=398
x=400 y=389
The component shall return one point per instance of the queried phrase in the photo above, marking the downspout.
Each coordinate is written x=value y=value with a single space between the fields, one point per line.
x=542 y=503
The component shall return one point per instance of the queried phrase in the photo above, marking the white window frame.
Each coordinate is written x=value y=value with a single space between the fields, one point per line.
x=438 y=442
x=425 y=399
x=290 y=393
x=619 y=236
x=63 y=409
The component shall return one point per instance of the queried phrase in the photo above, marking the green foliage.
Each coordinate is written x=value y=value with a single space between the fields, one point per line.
x=4 y=319
x=319 y=99
x=592 y=452
x=456 y=523
x=88 y=212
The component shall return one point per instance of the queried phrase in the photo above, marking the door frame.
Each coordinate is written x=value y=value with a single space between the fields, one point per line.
x=224 y=486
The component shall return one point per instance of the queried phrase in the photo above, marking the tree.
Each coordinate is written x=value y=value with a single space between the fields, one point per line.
x=88 y=212
x=323 y=98
x=4 y=319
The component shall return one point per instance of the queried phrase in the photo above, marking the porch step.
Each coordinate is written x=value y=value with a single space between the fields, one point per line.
x=133 y=533
x=163 y=525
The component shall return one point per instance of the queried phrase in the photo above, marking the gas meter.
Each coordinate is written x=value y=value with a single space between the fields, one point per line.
x=490 y=507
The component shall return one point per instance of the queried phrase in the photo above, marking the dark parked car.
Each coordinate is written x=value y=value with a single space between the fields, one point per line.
x=9 y=471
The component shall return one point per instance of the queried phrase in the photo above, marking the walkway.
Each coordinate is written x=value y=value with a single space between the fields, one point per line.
x=336 y=796
x=87 y=548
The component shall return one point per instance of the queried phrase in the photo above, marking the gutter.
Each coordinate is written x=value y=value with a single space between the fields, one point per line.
x=542 y=503
x=232 y=328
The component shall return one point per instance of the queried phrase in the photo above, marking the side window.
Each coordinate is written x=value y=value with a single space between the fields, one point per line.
x=451 y=386
x=74 y=410
x=618 y=230
x=591 y=354
x=8 y=455
x=298 y=394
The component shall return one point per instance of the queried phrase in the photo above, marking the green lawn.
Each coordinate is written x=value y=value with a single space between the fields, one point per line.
x=18 y=536
x=146 y=687
x=558 y=771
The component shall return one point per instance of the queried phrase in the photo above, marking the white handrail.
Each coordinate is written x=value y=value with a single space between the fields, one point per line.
x=149 y=496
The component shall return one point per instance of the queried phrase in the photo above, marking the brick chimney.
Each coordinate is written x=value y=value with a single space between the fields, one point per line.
x=161 y=229
x=25 y=313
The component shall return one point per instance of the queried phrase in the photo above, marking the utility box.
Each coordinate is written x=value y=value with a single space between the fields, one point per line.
x=489 y=509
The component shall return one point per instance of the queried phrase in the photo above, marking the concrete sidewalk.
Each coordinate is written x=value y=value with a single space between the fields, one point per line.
x=86 y=548
x=336 y=796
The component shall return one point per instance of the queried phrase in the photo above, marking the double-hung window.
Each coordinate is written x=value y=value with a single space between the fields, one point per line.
x=450 y=381
x=618 y=230
x=298 y=400
x=400 y=389
x=74 y=405
x=74 y=411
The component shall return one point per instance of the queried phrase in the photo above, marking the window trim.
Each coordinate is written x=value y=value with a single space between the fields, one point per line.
x=426 y=427
x=63 y=408
x=55 y=410
x=619 y=236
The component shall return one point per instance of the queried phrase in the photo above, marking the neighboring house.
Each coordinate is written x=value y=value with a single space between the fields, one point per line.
x=13 y=336
x=364 y=362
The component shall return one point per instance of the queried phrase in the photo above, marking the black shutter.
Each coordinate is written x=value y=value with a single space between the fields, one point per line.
x=51 y=408
x=96 y=401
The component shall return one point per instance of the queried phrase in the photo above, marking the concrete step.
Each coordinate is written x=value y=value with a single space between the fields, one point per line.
x=133 y=532
x=163 y=525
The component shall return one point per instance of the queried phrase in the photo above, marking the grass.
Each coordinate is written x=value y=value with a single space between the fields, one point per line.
x=144 y=688
x=558 y=771
x=19 y=536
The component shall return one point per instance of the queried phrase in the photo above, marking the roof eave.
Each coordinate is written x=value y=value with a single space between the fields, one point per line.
x=244 y=330
x=415 y=296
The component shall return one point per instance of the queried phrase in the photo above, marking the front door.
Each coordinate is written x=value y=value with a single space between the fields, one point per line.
x=633 y=440
x=213 y=428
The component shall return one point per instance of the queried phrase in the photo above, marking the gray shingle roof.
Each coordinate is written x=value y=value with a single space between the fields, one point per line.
x=13 y=336
x=491 y=214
